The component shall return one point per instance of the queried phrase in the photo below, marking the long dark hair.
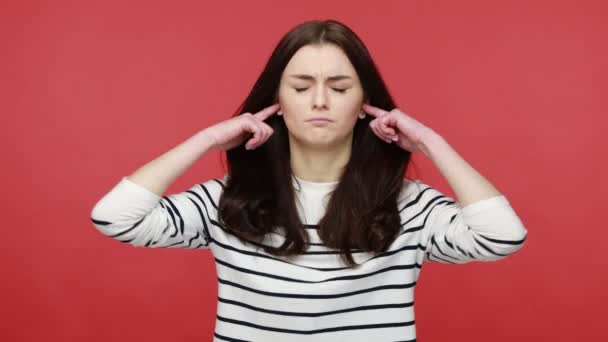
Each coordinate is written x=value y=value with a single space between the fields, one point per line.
x=259 y=196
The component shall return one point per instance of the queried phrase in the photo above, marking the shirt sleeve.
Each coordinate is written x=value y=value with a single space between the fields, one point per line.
x=133 y=214
x=487 y=230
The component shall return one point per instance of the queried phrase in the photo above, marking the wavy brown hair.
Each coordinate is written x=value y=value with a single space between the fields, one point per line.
x=259 y=196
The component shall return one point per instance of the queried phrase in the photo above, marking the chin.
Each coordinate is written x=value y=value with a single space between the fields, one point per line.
x=324 y=142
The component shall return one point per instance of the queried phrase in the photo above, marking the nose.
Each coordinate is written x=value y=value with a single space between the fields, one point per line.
x=320 y=98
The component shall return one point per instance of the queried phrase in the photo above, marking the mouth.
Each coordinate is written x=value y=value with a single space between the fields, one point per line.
x=320 y=119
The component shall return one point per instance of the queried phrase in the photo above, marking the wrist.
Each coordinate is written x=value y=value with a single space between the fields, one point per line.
x=429 y=142
x=205 y=140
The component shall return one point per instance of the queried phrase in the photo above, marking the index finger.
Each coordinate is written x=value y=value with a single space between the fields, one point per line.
x=266 y=112
x=374 y=111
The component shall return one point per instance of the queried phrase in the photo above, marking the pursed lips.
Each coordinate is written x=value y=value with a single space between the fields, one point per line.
x=320 y=119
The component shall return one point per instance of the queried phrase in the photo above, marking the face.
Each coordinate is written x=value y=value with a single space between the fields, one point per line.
x=320 y=82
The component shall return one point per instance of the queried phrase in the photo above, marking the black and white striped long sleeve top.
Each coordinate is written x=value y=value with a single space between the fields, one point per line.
x=314 y=296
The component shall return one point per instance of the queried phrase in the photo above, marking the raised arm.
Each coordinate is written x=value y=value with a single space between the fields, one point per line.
x=482 y=225
x=487 y=230
x=136 y=212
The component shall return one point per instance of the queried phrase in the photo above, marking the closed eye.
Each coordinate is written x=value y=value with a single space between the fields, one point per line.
x=339 y=90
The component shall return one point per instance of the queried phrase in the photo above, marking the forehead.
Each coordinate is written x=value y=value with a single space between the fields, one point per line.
x=320 y=61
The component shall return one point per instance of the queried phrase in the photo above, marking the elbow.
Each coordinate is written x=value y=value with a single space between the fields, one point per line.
x=517 y=239
x=103 y=221
x=509 y=242
x=97 y=218
x=518 y=232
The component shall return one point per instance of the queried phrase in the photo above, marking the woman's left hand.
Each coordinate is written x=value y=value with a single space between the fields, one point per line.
x=396 y=126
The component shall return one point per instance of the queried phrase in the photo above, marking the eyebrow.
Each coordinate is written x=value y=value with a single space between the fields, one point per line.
x=311 y=78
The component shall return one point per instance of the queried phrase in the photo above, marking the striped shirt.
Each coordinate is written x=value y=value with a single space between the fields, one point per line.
x=314 y=296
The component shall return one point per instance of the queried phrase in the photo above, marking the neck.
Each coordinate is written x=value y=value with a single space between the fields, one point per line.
x=319 y=163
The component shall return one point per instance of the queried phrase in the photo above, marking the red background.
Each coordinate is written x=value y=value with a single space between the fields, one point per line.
x=92 y=90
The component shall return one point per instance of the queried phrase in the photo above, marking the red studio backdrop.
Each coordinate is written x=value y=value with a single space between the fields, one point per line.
x=92 y=90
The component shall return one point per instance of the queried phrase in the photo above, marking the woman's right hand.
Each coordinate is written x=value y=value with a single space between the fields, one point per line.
x=234 y=131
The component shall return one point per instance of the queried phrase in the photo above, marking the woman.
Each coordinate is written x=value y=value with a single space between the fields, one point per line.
x=316 y=234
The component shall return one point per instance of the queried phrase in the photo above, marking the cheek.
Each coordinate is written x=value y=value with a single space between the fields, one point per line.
x=349 y=112
x=294 y=126
x=292 y=104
